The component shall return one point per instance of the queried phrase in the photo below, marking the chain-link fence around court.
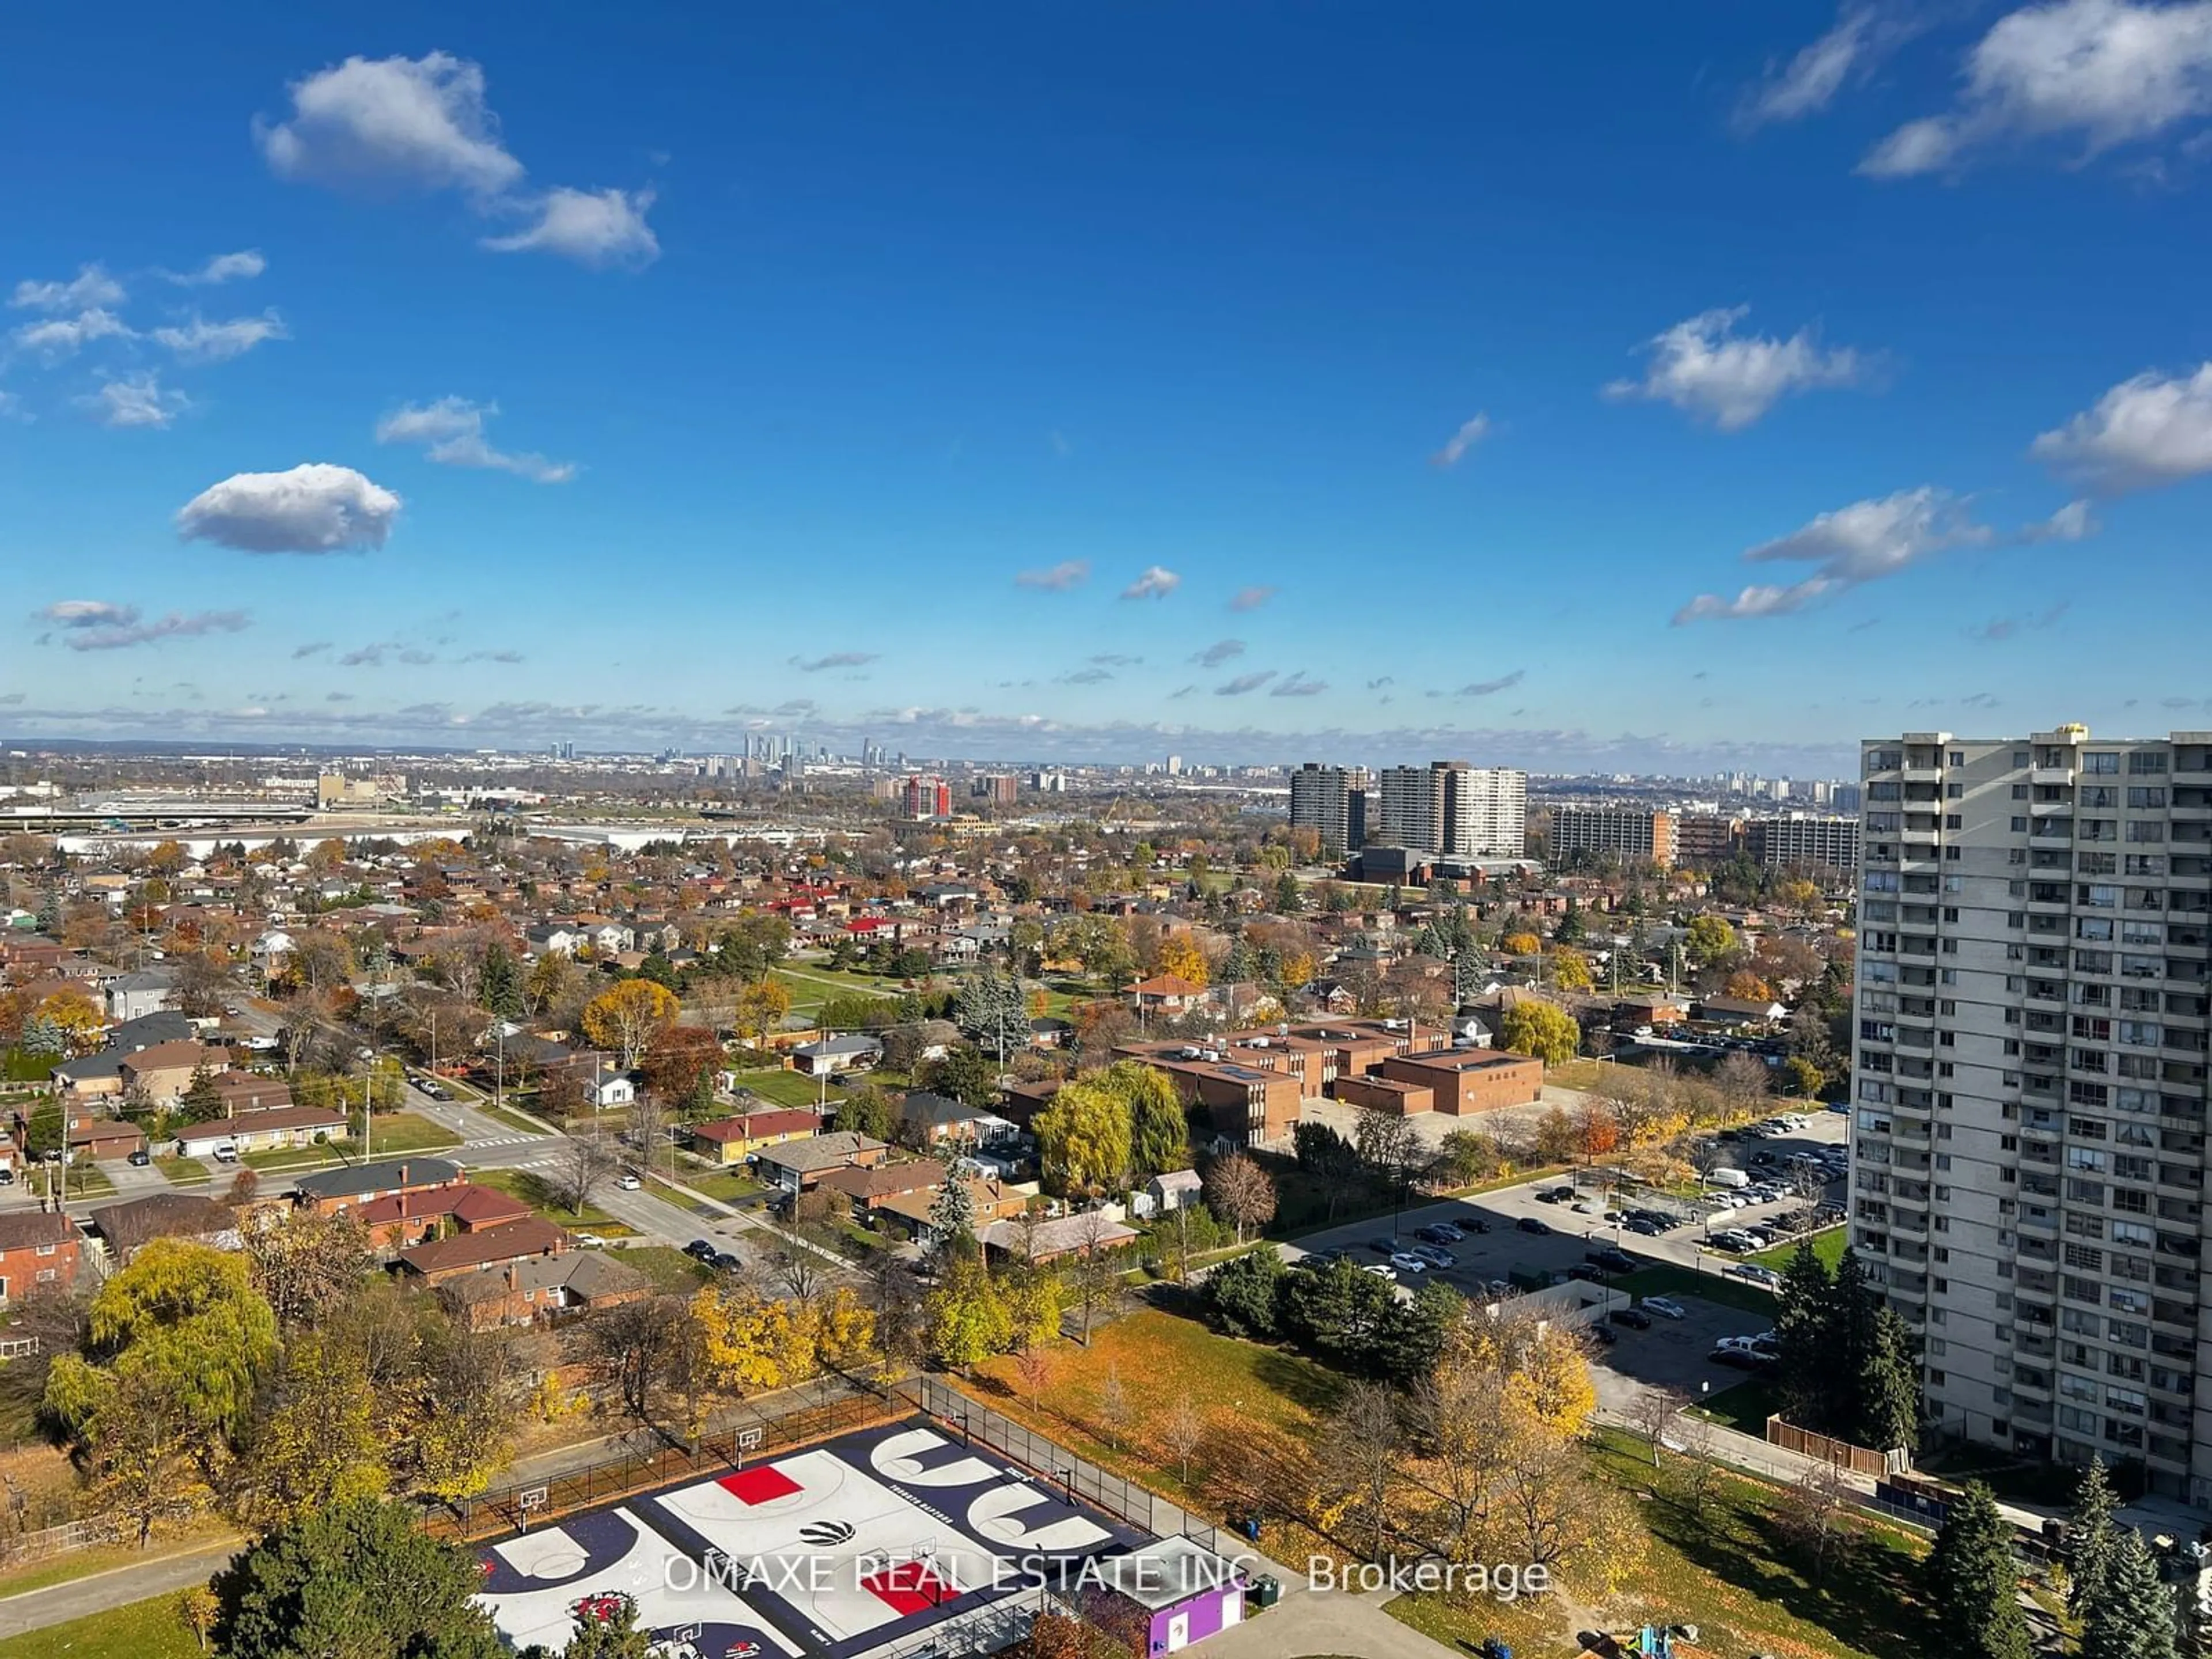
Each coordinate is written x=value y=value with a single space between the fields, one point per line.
x=1049 y=1461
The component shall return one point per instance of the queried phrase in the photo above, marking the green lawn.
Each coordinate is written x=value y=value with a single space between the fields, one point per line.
x=784 y=1088
x=138 y=1630
x=667 y=1266
x=183 y=1171
x=538 y=1192
x=88 y=1181
x=1828 y=1245
x=1747 y=1405
x=1664 y=1278
x=732 y=1186
x=394 y=1133
x=512 y=1120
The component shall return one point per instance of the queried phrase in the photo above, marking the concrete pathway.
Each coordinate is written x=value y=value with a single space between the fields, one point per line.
x=80 y=1598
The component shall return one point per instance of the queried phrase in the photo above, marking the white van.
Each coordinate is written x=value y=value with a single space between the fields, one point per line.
x=1728 y=1178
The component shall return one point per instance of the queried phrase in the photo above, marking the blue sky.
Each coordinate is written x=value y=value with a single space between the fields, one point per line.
x=1246 y=381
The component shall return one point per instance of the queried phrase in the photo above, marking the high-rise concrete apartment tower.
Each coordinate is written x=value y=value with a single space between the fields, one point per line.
x=1331 y=800
x=1452 y=809
x=2029 y=1086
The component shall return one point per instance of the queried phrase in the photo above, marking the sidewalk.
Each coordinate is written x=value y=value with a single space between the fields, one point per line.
x=80 y=1598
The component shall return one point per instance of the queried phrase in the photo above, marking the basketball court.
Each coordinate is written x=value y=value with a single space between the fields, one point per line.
x=862 y=1543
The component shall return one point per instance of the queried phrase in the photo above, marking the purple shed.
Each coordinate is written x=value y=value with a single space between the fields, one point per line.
x=1181 y=1591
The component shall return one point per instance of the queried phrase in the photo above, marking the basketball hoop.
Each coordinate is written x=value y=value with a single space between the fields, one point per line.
x=529 y=1501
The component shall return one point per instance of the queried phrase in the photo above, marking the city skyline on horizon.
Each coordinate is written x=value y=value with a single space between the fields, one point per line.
x=1036 y=389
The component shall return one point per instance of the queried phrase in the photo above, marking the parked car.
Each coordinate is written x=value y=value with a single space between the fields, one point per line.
x=1635 y=1318
x=138 y=1158
x=1381 y=1270
x=629 y=1182
x=1406 y=1262
x=1604 y=1333
x=226 y=1153
x=1741 y=1360
x=1756 y=1273
x=1383 y=1246
x=1587 y=1274
x=1612 y=1261
x=1642 y=1227
x=700 y=1249
x=1529 y=1224
x=1665 y=1306
x=1436 y=1256
x=1439 y=1232
x=727 y=1262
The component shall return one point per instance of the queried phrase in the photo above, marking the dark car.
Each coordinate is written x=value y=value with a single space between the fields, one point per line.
x=1604 y=1333
x=1741 y=1360
x=1587 y=1274
x=1439 y=1233
x=1474 y=1224
x=1529 y=1224
x=1612 y=1261
x=1382 y=1246
x=1642 y=1227
x=139 y=1157
x=700 y=1249
x=1635 y=1318
x=727 y=1262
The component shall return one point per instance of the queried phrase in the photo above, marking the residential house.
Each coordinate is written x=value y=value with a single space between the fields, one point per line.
x=328 y=1191
x=272 y=1130
x=1164 y=1194
x=135 y=1221
x=441 y=1259
x=145 y=1030
x=935 y=1120
x=1051 y=1241
x=1166 y=993
x=248 y=1091
x=552 y=939
x=913 y=1213
x=90 y=1077
x=37 y=1247
x=1742 y=1011
x=733 y=1139
x=541 y=1289
x=866 y=1187
x=163 y=1072
x=796 y=1165
x=147 y=991
x=401 y=1220
x=855 y=1051
x=94 y=1140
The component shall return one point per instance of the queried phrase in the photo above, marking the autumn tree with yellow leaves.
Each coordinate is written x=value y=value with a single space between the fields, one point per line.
x=627 y=1016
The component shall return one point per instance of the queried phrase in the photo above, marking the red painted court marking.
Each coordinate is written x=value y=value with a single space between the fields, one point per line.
x=909 y=1587
x=762 y=1484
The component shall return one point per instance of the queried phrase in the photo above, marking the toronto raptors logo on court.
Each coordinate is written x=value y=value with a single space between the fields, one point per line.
x=825 y=1534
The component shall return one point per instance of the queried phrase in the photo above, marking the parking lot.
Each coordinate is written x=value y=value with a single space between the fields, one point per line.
x=1673 y=1353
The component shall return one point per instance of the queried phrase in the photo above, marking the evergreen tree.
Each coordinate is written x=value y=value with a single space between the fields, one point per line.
x=1244 y=1294
x=499 y=985
x=1889 y=1395
x=1973 y=1583
x=1411 y=1338
x=44 y=1036
x=1239 y=967
x=607 y=1628
x=1852 y=1302
x=1289 y=900
x=2091 y=1536
x=952 y=1214
x=1801 y=1331
x=200 y=1102
x=2132 y=1617
x=991 y=1010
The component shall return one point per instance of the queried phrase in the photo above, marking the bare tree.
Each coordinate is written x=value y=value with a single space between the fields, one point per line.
x=1241 y=1190
x=1034 y=1371
x=1742 y=1081
x=1095 y=1281
x=1115 y=1412
x=581 y=1167
x=1182 y=1432
x=645 y=1127
x=1700 y=1473
x=1653 y=1415
x=631 y=1345
x=1812 y=1513
x=1361 y=1453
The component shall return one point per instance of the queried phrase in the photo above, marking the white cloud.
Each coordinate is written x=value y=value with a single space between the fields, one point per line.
x=1864 y=36
x=203 y=341
x=97 y=625
x=1298 y=686
x=90 y=289
x=1862 y=543
x=1055 y=579
x=452 y=431
x=834 y=659
x=2106 y=72
x=136 y=400
x=2150 y=430
x=242 y=266
x=1220 y=651
x=1250 y=599
x=315 y=507
x=2071 y=523
x=1243 y=683
x=1492 y=688
x=412 y=121
x=592 y=227
x=1705 y=369
x=1157 y=582
x=64 y=337
x=1470 y=434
